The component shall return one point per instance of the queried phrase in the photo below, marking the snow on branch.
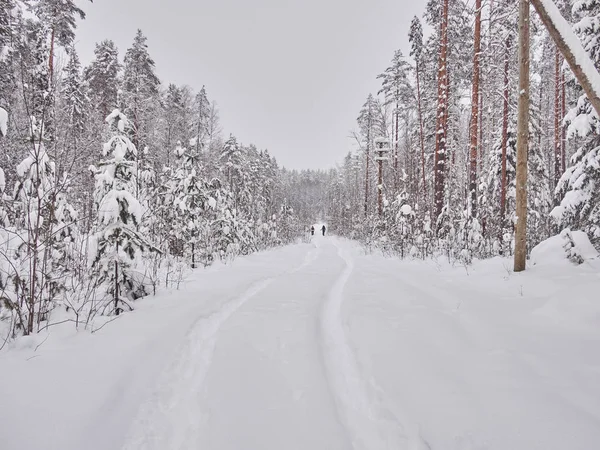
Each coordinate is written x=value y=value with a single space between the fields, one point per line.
x=570 y=46
x=3 y=122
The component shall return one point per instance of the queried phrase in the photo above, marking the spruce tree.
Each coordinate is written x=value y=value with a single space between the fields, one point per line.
x=140 y=90
x=118 y=243
x=102 y=78
x=74 y=98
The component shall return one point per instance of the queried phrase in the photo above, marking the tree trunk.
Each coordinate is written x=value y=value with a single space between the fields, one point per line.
x=421 y=133
x=51 y=57
x=563 y=146
x=522 y=138
x=475 y=111
x=480 y=147
x=576 y=58
x=442 y=107
x=396 y=139
x=193 y=256
x=367 y=153
x=557 y=130
x=116 y=293
x=504 y=181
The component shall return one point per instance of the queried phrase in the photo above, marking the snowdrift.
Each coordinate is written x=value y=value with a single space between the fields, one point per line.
x=572 y=246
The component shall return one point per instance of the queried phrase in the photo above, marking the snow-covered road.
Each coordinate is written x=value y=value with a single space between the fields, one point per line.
x=319 y=346
x=271 y=369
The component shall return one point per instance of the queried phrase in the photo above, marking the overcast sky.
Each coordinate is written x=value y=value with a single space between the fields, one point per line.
x=288 y=75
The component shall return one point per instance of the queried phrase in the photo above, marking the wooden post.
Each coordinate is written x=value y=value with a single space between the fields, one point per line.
x=380 y=188
x=522 y=139
x=381 y=149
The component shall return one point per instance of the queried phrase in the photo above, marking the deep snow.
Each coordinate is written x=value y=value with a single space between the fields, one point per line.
x=319 y=346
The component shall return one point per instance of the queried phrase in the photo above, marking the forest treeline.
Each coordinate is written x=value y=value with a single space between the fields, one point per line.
x=114 y=183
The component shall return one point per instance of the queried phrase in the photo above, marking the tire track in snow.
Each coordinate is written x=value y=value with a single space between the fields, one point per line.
x=173 y=416
x=368 y=424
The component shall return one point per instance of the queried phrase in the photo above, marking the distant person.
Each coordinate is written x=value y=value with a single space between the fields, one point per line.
x=312 y=230
x=323 y=230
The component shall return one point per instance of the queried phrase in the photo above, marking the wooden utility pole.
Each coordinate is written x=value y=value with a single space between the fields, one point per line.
x=442 y=116
x=380 y=188
x=381 y=148
x=579 y=62
x=522 y=139
x=475 y=110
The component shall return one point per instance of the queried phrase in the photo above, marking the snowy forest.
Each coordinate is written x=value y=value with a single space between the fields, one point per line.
x=115 y=183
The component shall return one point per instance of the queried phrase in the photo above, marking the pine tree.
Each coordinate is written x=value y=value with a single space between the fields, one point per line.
x=474 y=126
x=415 y=38
x=442 y=115
x=60 y=18
x=398 y=93
x=371 y=126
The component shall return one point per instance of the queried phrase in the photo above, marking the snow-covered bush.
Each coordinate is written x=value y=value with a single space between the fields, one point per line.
x=573 y=246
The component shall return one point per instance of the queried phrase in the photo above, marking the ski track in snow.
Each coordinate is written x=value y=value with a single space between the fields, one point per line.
x=368 y=423
x=171 y=418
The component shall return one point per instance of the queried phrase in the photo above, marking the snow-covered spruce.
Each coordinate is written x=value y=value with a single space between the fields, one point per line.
x=117 y=243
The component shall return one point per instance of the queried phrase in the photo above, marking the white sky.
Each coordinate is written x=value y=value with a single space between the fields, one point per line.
x=288 y=75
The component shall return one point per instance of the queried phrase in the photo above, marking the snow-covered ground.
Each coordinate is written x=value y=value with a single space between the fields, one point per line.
x=319 y=346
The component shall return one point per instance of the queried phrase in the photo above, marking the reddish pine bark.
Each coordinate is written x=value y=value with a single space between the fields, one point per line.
x=475 y=111
x=442 y=115
x=421 y=132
